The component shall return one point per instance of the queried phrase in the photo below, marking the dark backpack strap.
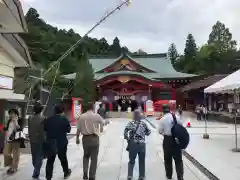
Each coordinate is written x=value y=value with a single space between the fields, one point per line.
x=134 y=132
x=174 y=119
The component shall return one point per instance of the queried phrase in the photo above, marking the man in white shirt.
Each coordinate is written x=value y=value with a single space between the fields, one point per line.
x=170 y=148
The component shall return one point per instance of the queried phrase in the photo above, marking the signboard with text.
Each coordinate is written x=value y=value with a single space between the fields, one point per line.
x=6 y=82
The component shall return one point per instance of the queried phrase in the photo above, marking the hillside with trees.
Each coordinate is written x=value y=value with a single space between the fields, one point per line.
x=47 y=43
x=218 y=56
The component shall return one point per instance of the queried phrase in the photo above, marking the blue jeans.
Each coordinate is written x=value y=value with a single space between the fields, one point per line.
x=134 y=150
x=37 y=158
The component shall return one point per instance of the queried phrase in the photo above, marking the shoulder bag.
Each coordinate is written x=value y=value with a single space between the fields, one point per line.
x=131 y=137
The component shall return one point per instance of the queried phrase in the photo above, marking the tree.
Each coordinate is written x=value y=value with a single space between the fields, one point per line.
x=32 y=14
x=172 y=53
x=84 y=82
x=221 y=38
x=187 y=63
x=47 y=43
x=190 y=50
x=53 y=78
x=116 y=47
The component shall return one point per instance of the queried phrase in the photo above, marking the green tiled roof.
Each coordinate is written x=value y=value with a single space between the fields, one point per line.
x=155 y=62
x=151 y=76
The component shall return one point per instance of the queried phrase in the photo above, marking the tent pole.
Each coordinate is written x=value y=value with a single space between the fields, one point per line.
x=205 y=135
x=236 y=149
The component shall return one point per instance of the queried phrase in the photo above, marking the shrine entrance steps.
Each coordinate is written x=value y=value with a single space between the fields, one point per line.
x=127 y=115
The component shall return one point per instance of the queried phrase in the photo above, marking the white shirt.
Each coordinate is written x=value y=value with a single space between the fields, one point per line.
x=166 y=123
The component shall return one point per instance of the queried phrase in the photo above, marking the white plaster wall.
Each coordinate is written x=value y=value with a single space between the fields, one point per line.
x=6 y=64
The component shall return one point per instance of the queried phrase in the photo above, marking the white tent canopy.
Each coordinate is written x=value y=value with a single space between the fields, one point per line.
x=229 y=84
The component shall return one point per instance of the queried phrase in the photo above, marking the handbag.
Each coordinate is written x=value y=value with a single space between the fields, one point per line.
x=19 y=135
x=130 y=138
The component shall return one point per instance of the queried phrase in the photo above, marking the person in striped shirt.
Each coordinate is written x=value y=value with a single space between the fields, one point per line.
x=135 y=133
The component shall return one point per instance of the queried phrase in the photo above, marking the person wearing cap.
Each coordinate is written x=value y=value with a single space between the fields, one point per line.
x=135 y=133
x=12 y=145
x=56 y=128
x=88 y=125
x=36 y=137
x=170 y=148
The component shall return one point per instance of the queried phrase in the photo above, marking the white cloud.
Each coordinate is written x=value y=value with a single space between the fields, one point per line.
x=147 y=24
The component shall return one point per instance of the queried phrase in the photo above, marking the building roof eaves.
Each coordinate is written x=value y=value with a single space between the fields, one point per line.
x=203 y=83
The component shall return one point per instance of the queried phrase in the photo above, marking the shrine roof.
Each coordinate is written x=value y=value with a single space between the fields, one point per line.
x=151 y=76
x=158 y=63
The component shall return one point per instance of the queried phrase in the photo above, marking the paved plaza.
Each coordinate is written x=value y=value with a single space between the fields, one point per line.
x=215 y=154
x=113 y=159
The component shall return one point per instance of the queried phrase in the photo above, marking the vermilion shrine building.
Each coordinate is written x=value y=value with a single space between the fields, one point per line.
x=128 y=81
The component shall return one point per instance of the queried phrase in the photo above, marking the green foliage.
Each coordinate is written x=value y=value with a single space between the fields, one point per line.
x=84 y=82
x=190 y=50
x=172 y=53
x=47 y=43
x=218 y=56
x=221 y=38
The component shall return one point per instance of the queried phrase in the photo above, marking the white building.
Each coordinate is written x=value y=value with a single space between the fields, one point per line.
x=13 y=51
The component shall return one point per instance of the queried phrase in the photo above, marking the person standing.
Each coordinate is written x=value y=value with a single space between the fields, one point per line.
x=101 y=111
x=205 y=112
x=170 y=147
x=198 y=112
x=88 y=126
x=180 y=111
x=135 y=133
x=13 y=144
x=37 y=138
x=56 y=128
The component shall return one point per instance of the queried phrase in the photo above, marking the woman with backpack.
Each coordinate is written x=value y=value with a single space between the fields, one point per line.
x=171 y=148
x=13 y=141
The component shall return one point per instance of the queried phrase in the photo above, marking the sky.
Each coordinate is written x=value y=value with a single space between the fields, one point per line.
x=150 y=25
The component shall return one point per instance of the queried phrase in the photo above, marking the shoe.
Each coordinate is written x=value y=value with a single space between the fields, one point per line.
x=66 y=175
x=91 y=179
x=85 y=177
x=35 y=177
x=11 y=171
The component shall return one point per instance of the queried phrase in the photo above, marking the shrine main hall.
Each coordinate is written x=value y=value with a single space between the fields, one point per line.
x=131 y=80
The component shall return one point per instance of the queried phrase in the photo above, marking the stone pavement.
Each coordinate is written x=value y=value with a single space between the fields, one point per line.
x=215 y=153
x=113 y=159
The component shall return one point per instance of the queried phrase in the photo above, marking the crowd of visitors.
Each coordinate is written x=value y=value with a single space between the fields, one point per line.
x=48 y=139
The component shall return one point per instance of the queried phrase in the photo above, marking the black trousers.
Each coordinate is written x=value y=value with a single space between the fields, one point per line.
x=171 y=151
x=54 y=149
x=199 y=116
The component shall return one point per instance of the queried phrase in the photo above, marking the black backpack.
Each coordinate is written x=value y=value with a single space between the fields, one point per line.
x=180 y=134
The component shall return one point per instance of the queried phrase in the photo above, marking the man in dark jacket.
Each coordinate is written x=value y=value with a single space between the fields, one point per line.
x=56 y=128
x=101 y=111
